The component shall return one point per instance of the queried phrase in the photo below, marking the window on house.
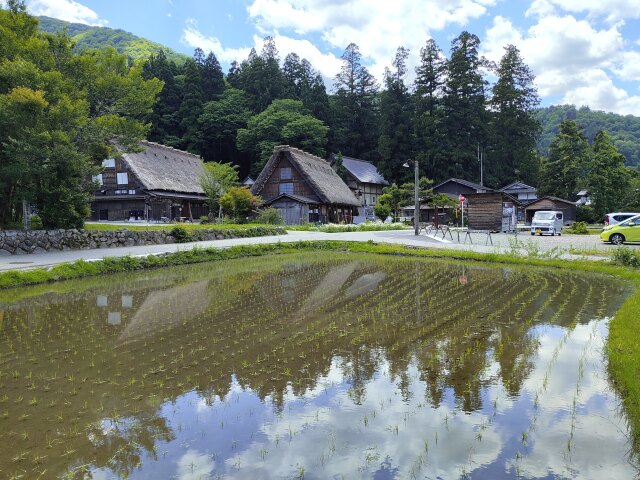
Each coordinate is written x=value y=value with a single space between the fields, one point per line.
x=132 y=192
x=285 y=173
x=123 y=178
x=286 y=188
x=98 y=178
x=109 y=163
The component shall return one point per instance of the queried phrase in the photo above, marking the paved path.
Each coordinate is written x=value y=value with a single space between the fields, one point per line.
x=501 y=244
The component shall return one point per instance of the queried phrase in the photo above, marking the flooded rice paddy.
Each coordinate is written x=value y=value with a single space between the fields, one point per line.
x=313 y=366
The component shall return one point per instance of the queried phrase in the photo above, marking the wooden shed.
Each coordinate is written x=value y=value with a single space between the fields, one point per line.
x=491 y=211
x=567 y=207
x=295 y=210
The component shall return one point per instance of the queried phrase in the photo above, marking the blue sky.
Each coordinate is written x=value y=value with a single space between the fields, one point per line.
x=585 y=52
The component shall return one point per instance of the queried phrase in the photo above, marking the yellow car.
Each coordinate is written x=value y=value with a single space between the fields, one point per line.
x=627 y=231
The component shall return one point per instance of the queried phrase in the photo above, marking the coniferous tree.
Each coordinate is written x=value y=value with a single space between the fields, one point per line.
x=212 y=78
x=514 y=126
x=191 y=106
x=608 y=180
x=260 y=76
x=302 y=82
x=566 y=169
x=395 y=141
x=354 y=108
x=427 y=122
x=165 y=123
x=464 y=107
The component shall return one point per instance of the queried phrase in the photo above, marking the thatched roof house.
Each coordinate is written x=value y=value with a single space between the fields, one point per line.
x=157 y=182
x=305 y=188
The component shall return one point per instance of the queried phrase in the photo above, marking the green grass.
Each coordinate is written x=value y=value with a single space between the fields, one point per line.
x=338 y=228
x=623 y=344
x=187 y=226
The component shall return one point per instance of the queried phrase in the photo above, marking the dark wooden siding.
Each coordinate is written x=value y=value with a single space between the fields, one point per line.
x=271 y=187
x=294 y=213
x=568 y=210
x=484 y=211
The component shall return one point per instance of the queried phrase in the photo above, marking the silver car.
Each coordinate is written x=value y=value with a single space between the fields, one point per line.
x=615 y=218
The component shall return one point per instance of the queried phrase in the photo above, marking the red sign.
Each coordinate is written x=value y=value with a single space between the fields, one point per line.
x=461 y=198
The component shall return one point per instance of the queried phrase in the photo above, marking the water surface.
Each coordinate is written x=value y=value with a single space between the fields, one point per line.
x=313 y=366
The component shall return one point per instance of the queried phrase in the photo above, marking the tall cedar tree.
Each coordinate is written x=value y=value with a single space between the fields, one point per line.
x=464 y=108
x=395 y=141
x=165 y=123
x=302 y=82
x=427 y=122
x=515 y=128
x=567 y=167
x=354 y=107
x=608 y=180
x=191 y=106
x=260 y=76
x=212 y=78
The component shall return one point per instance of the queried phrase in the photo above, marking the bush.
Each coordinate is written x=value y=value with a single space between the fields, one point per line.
x=586 y=214
x=627 y=257
x=204 y=219
x=270 y=216
x=36 y=222
x=382 y=211
x=578 y=228
x=180 y=235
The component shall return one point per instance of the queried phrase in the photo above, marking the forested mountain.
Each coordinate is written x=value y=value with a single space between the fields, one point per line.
x=86 y=36
x=624 y=130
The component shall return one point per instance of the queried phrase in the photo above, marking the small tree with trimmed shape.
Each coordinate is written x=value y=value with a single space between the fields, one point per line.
x=239 y=203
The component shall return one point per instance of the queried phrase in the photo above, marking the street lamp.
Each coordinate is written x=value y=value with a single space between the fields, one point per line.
x=416 y=187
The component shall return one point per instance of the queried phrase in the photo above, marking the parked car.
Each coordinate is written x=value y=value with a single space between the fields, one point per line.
x=615 y=218
x=626 y=231
x=547 y=221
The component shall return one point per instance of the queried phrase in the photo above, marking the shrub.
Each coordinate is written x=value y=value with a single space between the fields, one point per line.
x=382 y=211
x=239 y=202
x=578 y=228
x=36 y=222
x=204 y=219
x=587 y=214
x=180 y=235
x=270 y=216
x=627 y=257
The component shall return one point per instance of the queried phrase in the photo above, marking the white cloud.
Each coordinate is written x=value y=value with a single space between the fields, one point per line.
x=571 y=58
x=67 y=10
x=612 y=10
x=193 y=37
x=378 y=28
x=195 y=466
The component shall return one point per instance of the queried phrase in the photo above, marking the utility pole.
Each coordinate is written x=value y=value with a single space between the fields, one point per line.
x=416 y=211
x=481 y=160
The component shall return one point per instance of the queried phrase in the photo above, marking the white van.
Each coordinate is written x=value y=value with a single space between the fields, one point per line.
x=547 y=221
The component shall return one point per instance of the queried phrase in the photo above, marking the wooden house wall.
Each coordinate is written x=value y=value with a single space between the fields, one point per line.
x=271 y=187
x=568 y=210
x=454 y=189
x=293 y=213
x=484 y=211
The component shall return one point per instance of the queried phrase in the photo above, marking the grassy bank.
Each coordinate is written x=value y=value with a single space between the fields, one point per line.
x=623 y=344
x=186 y=226
x=338 y=228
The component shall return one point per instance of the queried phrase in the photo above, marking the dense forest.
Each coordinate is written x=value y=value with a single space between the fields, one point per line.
x=82 y=101
x=88 y=37
x=623 y=129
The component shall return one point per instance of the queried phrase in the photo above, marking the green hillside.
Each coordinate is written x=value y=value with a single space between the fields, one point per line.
x=623 y=129
x=87 y=37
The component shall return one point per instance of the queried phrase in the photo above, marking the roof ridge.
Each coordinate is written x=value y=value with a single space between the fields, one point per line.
x=171 y=149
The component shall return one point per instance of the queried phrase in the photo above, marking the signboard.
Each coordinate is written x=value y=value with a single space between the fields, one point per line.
x=461 y=198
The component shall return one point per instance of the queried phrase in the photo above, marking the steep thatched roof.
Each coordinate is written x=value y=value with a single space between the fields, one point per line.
x=159 y=167
x=317 y=172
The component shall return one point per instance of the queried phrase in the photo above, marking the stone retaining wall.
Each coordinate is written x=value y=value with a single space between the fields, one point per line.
x=16 y=242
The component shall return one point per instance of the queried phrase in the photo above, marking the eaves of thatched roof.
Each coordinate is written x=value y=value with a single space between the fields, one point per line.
x=317 y=172
x=162 y=168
